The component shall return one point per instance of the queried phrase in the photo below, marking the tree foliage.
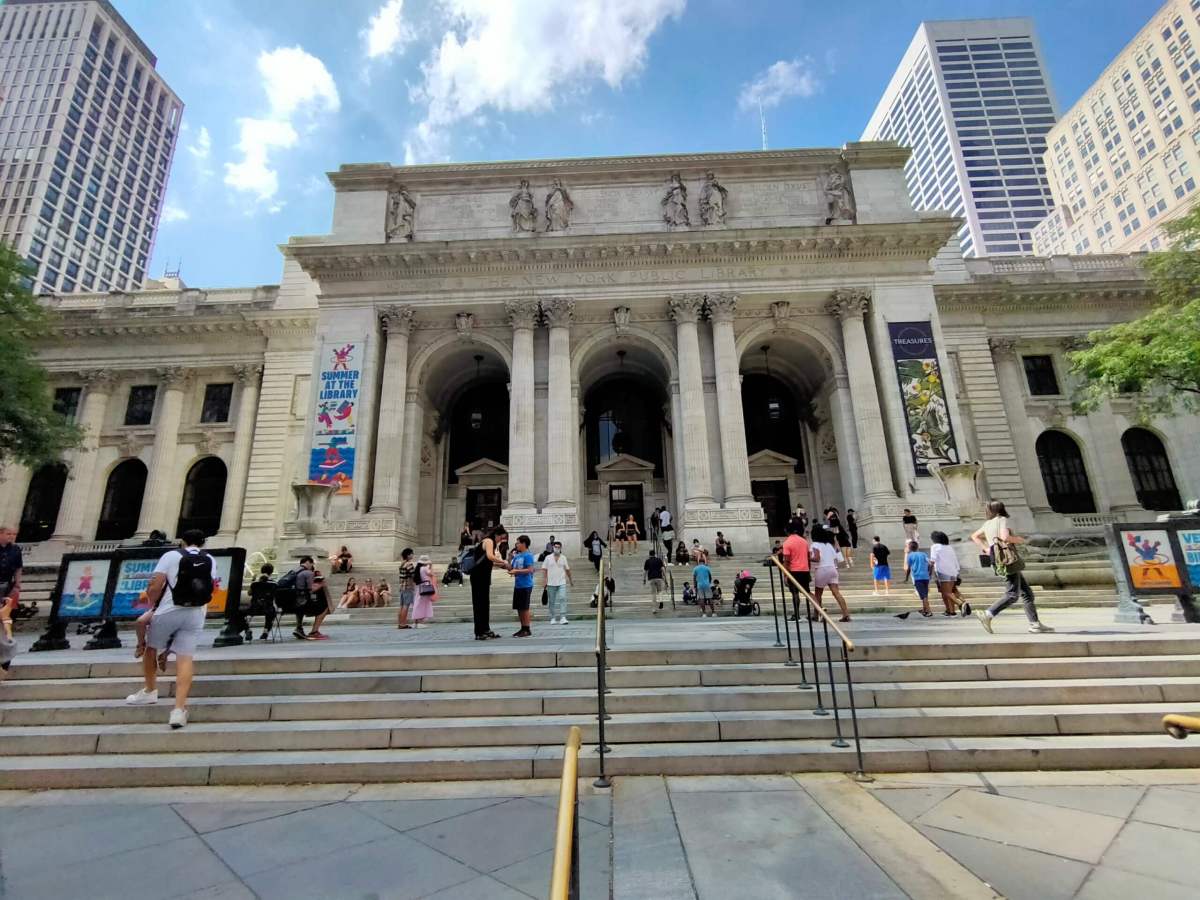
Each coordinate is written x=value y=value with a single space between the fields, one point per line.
x=31 y=432
x=1156 y=356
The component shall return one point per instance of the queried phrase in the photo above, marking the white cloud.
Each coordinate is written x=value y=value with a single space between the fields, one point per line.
x=171 y=213
x=299 y=88
x=387 y=32
x=779 y=81
x=524 y=54
x=202 y=146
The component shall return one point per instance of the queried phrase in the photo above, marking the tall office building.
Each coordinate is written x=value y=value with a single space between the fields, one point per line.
x=972 y=100
x=87 y=134
x=1125 y=158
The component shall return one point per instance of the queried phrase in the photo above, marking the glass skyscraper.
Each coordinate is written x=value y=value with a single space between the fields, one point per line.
x=972 y=100
x=87 y=135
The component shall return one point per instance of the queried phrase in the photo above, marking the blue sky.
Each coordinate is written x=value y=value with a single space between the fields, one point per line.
x=278 y=92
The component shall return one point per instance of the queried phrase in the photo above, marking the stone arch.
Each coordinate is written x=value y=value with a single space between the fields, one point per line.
x=203 y=497
x=421 y=361
x=634 y=335
x=1151 y=468
x=828 y=349
x=124 y=491
x=1065 y=472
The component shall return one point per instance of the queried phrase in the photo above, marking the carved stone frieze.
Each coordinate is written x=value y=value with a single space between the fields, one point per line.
x=401 y=214
x=1002 y=346
x=674 y=203
x=558 y=207
x=780 y=310
x=521 y=209
x=173 y=377
x=247 y=372
x=99 y=380
x=712 y=201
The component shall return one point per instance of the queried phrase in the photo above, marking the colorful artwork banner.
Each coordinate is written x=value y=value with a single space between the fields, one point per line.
x=923 y=395
x=1189 y=545
x=83 y=584
x=335 y=412
x=133 y=577
x=1150 y=559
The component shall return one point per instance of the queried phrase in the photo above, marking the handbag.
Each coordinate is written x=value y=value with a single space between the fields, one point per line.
x=545 y=596
x=1005 y=558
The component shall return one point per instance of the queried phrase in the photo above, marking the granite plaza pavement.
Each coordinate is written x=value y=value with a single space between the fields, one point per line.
x=1036 y=835
x=1024 y=836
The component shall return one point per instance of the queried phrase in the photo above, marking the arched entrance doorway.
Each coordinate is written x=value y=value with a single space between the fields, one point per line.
x=122 y=501
x=1153 y=479
x=627 y=444
x=40 y=512
x=464 y=443
x=790 y=430
x=1064 y=474
x=203 y=497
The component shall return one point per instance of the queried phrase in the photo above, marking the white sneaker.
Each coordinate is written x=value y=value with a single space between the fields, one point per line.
x=985 y=619
x=562 y=621
x=1039 y=628
x=178 y=718
x=142 y=698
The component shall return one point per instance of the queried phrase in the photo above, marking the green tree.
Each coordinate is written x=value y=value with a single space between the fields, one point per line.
x=1157 y=355
x=31 y=432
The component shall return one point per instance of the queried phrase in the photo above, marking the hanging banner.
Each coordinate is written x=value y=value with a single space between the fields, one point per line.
x=923 y=394
x=1189 y=543
x=336 y=412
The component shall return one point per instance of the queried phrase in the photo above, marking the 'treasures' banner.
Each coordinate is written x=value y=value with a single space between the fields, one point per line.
x=923 y=394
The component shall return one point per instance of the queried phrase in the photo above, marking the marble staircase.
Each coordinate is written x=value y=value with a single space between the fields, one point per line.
x=344 y=713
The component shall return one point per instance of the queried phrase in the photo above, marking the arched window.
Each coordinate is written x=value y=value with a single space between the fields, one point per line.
x=1063 y=473
x=771 y=416
x=479 y=426
x=203 y=497
x=122 y=501
x=1151 y=470
x=624 y=415
x=40 y=513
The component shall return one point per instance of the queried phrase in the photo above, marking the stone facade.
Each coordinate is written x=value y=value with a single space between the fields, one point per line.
x=461 y=352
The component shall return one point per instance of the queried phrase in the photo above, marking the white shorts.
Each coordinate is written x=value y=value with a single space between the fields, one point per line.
x=177 y=629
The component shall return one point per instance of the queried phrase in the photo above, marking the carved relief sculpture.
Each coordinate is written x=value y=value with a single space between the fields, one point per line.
x=522 y=313
x=621 y=318
x=839 y=205
x=712 y=201
x=522 y=210
x=464 y=323
x=780 y=310
x=674 y=204
x=400 y=211
x=558 y=207
x=558 y=311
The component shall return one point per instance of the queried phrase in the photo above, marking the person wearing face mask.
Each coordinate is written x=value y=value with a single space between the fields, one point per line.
x=557 y=571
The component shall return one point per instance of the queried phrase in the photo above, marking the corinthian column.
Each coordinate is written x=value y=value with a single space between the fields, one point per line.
x=560 y=419
x=248 y=378
x=156 y=505
x=523 y=316
x=389 y=436
x=685 y=310
x=734 y=458
x=850 y=307
x=98 y=385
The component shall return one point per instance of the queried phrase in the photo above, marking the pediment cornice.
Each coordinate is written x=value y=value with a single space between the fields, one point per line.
x=383 y=262
x=1023 y=297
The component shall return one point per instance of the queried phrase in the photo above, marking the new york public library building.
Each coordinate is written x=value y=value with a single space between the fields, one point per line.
x=551 y=342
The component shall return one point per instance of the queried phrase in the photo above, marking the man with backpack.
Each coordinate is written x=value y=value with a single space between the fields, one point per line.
x=181 y=586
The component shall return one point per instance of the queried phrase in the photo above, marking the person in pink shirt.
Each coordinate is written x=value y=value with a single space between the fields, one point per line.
x=795 y=552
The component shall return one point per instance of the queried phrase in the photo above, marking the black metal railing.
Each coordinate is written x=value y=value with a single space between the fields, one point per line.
x=602 y=715
x=815 y=612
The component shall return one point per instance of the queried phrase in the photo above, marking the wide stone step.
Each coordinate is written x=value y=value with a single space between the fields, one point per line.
x=584 y=677
x=545 y=761
x=201 y=736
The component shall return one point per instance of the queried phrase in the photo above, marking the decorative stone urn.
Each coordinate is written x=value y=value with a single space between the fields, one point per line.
x=960 y=481
x=312 y=508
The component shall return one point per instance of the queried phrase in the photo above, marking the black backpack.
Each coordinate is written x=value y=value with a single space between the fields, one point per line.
x=194 y=584
x=287 y=582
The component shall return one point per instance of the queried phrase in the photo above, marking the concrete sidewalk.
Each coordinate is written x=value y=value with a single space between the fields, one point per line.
x=1024 y=836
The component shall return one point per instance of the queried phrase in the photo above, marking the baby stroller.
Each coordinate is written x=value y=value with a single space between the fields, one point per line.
x=743 y=595
x=453 y=574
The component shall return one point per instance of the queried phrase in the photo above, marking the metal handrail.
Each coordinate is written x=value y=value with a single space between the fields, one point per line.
x=564 y=877
x=601 y=673
x=849 y=644
x=810 y=604
x=1180 y=726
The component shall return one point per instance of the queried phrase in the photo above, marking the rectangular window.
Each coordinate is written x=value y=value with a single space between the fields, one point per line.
x=216 y=403
x=1039 y=373
x=66 y=402
x=140 y=409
